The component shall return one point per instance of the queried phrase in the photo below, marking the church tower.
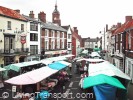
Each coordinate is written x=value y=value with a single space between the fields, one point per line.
x=56 y=16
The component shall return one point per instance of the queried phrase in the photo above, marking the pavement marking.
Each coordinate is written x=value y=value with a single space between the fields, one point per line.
x=70 y=85
x=66 y=93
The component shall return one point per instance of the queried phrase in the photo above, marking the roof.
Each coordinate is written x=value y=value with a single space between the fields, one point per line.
x=125 y=26
x=91 y=40
x=66 y=27
x=11 y=13
x=50 y=25
x=30 y=19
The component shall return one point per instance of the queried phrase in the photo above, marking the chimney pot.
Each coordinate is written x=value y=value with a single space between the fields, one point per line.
x=128 y=18
x=31 y=15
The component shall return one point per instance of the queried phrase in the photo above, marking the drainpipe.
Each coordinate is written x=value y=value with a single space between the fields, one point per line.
x=124 y=47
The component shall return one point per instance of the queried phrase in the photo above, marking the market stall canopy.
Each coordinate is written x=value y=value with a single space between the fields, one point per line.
x=65 y=63
x=96 y=49
x=57 y=66
x=69 y=55
x=16 y=67
x=85 y=52
x=106 y=68
x=32 y=77
x=56 y=58
x=95 y=54
x=101 y=79
x=91 y=60
x=46 y=61
x=105 y=92
x=2 y=69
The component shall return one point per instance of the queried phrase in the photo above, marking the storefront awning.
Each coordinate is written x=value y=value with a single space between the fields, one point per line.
x=32 y=77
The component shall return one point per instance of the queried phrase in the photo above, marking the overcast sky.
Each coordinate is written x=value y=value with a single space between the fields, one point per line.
x=89 y=16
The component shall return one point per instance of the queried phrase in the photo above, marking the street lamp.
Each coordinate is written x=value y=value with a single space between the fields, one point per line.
x=103 y=36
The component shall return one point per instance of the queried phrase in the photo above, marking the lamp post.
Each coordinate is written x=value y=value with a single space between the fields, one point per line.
x=104 y=38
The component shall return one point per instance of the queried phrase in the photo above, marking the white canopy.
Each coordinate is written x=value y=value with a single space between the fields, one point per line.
x=69 y=55
x=107 y=69
x=85 y=51
x=94 y=54
x=32 y=77
x=91 y=60
x=46 y=61
x=2 y=69
x=65 y=63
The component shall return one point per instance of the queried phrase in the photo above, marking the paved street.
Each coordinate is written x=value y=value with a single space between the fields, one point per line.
x=72 y=90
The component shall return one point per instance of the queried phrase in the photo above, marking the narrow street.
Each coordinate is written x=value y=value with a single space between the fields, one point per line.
x=72 y=90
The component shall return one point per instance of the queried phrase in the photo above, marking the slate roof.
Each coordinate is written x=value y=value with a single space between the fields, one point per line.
x=30 y=19
x=11 y=13
x=66 y=27
x=50 y=25
x=91 y=40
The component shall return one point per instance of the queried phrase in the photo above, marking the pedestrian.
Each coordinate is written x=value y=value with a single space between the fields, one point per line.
x=70 y=67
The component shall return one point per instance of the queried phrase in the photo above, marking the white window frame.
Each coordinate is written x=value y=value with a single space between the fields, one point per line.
x=46 y=32
x=129 y=40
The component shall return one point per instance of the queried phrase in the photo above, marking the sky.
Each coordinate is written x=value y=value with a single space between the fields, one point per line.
x=89 y=16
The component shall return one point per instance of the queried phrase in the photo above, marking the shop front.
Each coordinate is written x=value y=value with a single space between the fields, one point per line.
x=129 y=67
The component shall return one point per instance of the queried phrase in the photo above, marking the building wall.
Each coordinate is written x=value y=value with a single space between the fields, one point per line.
x=34 y=42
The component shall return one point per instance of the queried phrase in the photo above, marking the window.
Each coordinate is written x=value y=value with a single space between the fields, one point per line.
x=33 y=37
x=68 y=45
x=9 y=25
x=52 y=34
x=69 y=36
x=129 y=42
x=33 y=49
x=22 y=27
x=46 y=45
x=33 y=26
x=121 y=37
x=46 y=32
x=12 y=43
x=58 y=34
x=62 y=35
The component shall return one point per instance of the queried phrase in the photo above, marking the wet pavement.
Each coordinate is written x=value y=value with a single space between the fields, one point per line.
x=72 y=90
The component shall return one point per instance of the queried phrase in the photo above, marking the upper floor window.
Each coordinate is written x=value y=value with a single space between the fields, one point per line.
x=33 y=37
x=33 y=26
x=62 y=35
x=58 y=34
x=9 y=25
x=69 y=36
x=116 y=38
x=129 y=42
x=46 y=32
x=22 y=27
x=121 y=37
x=52 y=33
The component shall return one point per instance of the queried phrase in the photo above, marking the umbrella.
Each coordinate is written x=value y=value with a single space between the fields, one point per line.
x=106 y=68
x=2 y=69
x=101 y=79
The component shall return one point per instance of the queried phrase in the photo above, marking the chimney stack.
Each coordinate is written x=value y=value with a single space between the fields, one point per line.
x=75 y=30
x=31 y=15
x=118 y=25
x=128 y=18
x=17 y=10
x=42 y=17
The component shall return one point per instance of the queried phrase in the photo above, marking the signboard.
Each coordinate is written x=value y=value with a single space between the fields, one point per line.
x=14 y=88
x=23 y=39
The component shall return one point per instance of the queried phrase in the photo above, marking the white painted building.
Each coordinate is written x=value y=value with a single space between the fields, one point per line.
x=12 y=27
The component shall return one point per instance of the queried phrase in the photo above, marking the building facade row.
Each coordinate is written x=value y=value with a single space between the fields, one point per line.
x=120 y=47
x=23 y=37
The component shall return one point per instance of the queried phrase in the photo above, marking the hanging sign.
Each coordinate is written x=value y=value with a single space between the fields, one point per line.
x=23 y=39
